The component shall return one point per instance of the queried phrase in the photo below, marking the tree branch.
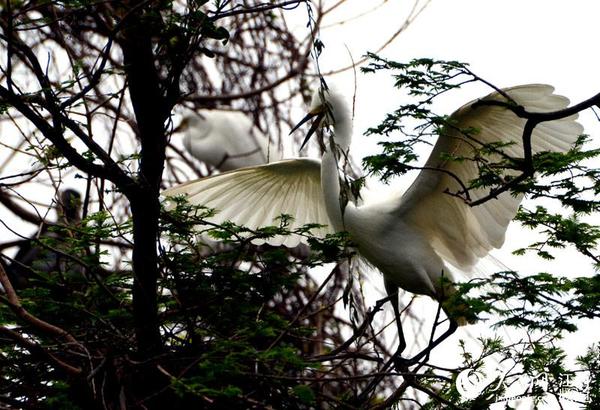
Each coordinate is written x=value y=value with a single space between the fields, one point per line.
x=533 y=119
x=13 y=301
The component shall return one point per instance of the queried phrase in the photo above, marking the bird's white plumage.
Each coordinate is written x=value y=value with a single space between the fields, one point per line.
x=256 y=196
x=227 y=140
x=459 y=233
x=408 y=240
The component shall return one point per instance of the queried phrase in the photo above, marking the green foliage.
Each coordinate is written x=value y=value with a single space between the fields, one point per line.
x=538 y=302
x=591 y=363
x=510 y=371
x=569 y=178
x=69 y=287
x=425 y=80
x=559 y=231
x=221 y=314
x=227 y=346
x=187 y=31
x=422 y=77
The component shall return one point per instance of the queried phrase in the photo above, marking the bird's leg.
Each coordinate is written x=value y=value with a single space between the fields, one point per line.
x=452 y=326
x=392 y=291
x=401 y=363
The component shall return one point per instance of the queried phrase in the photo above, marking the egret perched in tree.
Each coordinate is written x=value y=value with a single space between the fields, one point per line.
x=227 y=140
x=411 y=239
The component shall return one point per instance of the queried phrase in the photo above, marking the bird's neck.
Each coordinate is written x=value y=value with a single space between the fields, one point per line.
x=330 y=184
x=336 y=153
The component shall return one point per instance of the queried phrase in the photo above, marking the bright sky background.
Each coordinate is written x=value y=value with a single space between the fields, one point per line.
x=508 y=42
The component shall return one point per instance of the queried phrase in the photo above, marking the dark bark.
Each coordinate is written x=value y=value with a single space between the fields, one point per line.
x=151 y=113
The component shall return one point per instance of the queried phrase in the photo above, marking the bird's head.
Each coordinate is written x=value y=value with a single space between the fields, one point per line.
x=69 y=206
x=193 y=120
x=194 y=126
x=328 y=109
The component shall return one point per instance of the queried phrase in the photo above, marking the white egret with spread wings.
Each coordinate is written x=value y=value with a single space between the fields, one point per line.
x=411 y=239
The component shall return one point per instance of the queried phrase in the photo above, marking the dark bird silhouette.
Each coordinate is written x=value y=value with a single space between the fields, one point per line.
x=45 y=253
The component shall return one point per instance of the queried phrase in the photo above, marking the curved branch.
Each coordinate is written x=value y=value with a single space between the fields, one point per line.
x=36 y=349
x=533 y=119
x=287 y=5
x=111 y=171
x=13 y=301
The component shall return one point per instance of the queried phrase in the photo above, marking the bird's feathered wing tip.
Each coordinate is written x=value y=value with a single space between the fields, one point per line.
x=256 y=196
x=459 y=233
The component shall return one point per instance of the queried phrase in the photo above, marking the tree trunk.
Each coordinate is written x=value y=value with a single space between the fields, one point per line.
x=150 y=112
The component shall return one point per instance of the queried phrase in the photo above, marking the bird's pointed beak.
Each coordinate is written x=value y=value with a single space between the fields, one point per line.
x=319 y=116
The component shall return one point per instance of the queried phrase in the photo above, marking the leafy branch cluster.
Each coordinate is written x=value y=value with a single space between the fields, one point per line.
x=427 y=80
x=537 y=302
x=424 y=79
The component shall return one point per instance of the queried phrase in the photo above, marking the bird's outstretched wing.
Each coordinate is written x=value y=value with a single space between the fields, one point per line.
x=255 y=196
x=459 y=233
